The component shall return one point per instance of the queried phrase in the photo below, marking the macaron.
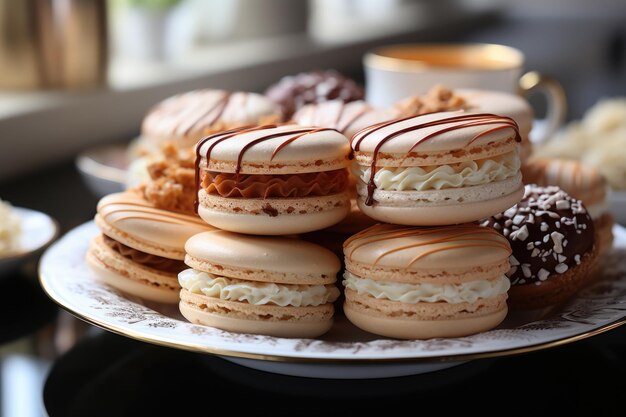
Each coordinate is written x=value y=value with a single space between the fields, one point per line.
x=581 y=181
x=275 y=286
x=273 y=180
x=504 y=104
x=421 y=283
x=553 y=240
x=438 y=169
x=347 y=118
x=141 y=248
x=186 y=118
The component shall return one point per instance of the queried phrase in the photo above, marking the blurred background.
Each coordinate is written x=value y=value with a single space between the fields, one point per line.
x=74 y=73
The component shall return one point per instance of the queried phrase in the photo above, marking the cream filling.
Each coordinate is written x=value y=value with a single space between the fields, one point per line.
x=466 y=292
x=437 y=177
x=257 y=293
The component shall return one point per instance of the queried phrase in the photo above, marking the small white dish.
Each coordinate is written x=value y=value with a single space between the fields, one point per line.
x=104 y=168
x=37 y=231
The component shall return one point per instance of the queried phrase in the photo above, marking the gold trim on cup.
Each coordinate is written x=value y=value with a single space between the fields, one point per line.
x=405 y=57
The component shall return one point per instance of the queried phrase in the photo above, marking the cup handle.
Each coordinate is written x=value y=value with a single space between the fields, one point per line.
x=534 y=81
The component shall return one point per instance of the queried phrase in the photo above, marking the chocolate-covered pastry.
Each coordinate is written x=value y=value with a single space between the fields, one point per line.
x=552 y=237
x=293 y=92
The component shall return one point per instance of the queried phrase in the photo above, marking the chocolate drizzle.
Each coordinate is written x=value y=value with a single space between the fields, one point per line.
x=455 y=237
x=220 y=106
x=467 y=120
x=230 y=134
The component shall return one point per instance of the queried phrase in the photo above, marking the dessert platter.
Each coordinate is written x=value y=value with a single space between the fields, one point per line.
x=319 y=236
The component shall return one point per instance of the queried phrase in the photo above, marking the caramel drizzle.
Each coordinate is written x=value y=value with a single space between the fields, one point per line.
x=467 y=120
x=144 y=211
x=469 y=234
x=230 y=134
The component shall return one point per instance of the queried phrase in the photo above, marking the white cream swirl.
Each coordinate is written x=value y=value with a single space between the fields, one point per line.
x=257 y=293
x=437 y=177
x=467 y=292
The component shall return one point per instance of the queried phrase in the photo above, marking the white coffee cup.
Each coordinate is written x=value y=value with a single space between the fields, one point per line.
x=398 y=71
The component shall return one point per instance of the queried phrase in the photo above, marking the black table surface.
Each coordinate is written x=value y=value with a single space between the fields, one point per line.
x=53 y=363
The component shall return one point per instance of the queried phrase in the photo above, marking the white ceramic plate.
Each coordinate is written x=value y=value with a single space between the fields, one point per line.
x=104 y=168
x=37 y=230
x=345 y=352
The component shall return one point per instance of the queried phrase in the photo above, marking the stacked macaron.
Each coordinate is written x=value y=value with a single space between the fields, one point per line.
x=273 y=180
x=581 y=181
x=256 y=284
x=266 y=180
x=418 y=283
x=438 y=169
x=141 y=248
x=553 y=241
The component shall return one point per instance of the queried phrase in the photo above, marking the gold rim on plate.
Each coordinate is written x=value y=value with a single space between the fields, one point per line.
x=172 y=343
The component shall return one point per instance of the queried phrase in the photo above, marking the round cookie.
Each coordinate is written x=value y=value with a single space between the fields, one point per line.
x=275 y=286
x=347 y=118
x=294 y=91
x=141 y=249
x=273 y=180
x=438 y=169
x=185 y=118
x=420 y=283
x=584 y=182
x=504 y=104
x=552 y=237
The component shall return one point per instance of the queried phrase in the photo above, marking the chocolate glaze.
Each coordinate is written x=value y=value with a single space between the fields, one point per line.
x=230 y=134
x=479 y=119
x=549 y=232
x=294 y=92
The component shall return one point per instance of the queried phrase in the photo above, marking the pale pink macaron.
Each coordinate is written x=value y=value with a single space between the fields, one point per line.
x=273 y=180
x=420 y=283
x=438 y=169
x=275 y=286
x=141 y=248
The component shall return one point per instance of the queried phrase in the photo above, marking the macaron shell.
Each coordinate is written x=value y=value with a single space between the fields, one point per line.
x=129 y=219
x=439 y=319
x=261 y=258
x=279 y=216
x=504 y=104
x=448 y=136
x=295 y=322
x=439 y=214
x=473 y=152
x=125 y=275
x=186 y=117
x=276 y=150
x=348 y=118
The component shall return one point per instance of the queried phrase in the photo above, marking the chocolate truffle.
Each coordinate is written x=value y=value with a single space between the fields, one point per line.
x=293 y=92
x=552 y=237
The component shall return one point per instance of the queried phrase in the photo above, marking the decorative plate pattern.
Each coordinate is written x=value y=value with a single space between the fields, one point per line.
x=67 y=280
